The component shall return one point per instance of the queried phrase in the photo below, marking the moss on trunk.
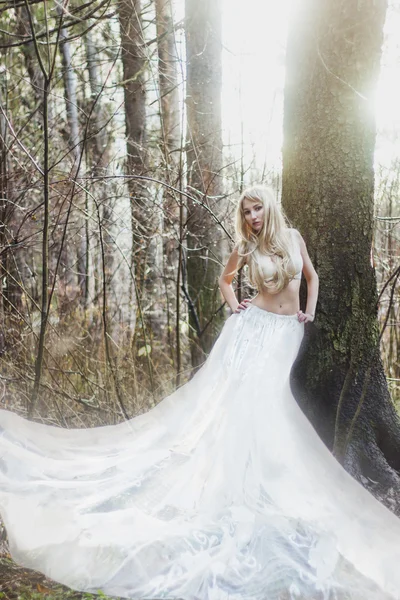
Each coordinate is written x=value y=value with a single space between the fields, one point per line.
x=333 y=56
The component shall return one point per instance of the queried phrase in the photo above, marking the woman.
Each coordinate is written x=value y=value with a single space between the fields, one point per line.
x=265 y=243
x=223 y=490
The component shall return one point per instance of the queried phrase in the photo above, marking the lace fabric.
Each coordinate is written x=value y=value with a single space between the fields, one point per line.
x=222 y=491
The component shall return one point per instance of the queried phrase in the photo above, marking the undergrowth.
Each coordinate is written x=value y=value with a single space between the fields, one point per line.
x=18 y=583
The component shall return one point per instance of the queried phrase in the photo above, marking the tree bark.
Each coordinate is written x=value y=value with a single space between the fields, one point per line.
x=134 y=73
x=333 y=55
x=171 y=148
x=65 y=275
x=204 y=164
x=99 y=152
x=31 y=61
x=168 y=61
x=4 y=220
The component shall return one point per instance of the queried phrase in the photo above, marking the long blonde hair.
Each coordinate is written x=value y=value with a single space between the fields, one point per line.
x=272 y=240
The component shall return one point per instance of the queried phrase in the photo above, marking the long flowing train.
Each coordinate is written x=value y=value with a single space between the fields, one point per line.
x=222 y=491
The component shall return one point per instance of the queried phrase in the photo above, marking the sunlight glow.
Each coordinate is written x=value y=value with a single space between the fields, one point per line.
x=254 y=39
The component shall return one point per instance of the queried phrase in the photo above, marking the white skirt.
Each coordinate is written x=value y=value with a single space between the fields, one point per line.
x=222 y=491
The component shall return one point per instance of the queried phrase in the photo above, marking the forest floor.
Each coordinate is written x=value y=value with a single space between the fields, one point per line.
x=18 y=583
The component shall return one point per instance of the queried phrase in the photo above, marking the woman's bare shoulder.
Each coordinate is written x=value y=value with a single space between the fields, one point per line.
x=296 y=235
x=295 y=232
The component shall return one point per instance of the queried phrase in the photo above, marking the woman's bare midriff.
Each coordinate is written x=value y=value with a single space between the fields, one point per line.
x=285 y=302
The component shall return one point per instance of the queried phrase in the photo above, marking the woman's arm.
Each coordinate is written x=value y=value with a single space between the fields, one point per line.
x=225 y=283
x=311 y=277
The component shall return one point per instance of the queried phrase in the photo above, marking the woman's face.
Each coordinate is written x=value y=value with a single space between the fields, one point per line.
x=253 y=211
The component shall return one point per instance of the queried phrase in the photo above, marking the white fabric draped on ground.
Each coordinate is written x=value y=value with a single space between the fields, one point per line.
x=222 y=491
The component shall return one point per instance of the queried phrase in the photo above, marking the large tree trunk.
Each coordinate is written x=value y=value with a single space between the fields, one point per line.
x=204 y=163
x=333 y=56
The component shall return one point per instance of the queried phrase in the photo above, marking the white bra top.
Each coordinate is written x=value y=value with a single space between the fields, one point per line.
x=268 y=265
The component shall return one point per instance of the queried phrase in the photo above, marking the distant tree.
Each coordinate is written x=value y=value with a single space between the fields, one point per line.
x=134 y=83
x=171 y=169
x=204 y=164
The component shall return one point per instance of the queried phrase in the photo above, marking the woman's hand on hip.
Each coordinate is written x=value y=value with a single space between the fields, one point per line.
x=243 y=305
x=305 y=317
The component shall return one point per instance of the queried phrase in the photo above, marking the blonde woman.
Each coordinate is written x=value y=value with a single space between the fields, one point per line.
x=223 y=491
x=276 y=256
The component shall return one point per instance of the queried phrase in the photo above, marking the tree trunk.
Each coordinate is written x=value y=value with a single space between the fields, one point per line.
x=31 y=62
x=66 y=278
x=204 y=164
x=171 y=147
x=168 y=61
x=4 y=219
x=17 y=276
x=100 y=159
x=333 y=56
x=134 y=73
